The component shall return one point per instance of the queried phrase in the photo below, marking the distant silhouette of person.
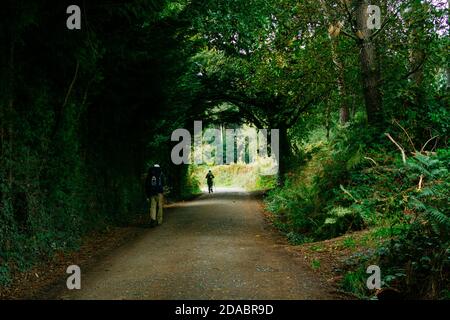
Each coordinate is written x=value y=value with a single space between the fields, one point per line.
x=154 y=188
x=210 y=181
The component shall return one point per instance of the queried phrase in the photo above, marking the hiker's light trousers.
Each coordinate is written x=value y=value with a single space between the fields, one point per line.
x=156 y=206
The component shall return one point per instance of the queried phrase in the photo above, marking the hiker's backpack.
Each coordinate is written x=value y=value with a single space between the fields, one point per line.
x=154 y=181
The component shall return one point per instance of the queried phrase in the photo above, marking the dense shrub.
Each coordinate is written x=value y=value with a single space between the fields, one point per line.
x=357 y=188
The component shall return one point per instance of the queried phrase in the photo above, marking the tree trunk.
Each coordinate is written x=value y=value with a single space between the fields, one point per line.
x=284 y=154
x=370 y=68
x=11 y=95
x=328 y=122
x=416 y=60
x=448 y=69
x=344 y=111
x=417 y=52
x=448 y=78
x=344 y=115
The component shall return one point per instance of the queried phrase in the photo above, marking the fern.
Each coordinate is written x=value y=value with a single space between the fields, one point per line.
x=430 y=203
x=438 y=217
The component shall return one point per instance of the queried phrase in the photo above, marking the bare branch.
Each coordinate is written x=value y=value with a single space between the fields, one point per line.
x=409 y=138
x=426 y=143
x=60 y=112
x=420 y=182
x=370 y=159
x=348 y=193
x=416 y=68
x=398 y=146
x=345 y=33
x=71 y=85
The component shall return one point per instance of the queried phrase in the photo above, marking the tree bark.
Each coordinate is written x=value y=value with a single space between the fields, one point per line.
x=11 y=96
x=371 y=76
x=448 y=78
x=284 y=154
x=415 y=22
x=417 y=52
x=328 y=122
x=448 y=22
x=344 y=110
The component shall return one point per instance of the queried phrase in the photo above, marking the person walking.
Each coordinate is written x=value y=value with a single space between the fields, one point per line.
x=210 y=181
x=154 y=188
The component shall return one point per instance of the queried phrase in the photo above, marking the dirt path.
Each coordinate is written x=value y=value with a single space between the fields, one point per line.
x=215 y=247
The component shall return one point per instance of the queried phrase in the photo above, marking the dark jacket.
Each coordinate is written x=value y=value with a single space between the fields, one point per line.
x=209 y=177
x=154 y=183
